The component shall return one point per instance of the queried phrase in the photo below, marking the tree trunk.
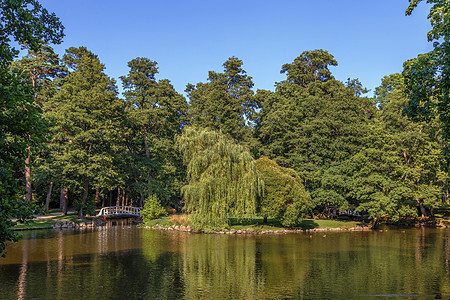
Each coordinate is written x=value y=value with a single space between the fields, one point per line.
x=28 y=194
x=126 y=202
x=118 y=197
x=83 y=201
x=123 y=197
x=141 y=201
x=423 y=211
x=147 y=151
x=147 y=154
x=97 y=196
x=374 y=223
x=63 y=199
x=265 y=220
x=47 y=200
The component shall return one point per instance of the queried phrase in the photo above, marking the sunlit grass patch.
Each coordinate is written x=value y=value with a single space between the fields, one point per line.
x=48 y=221
x=163 y=221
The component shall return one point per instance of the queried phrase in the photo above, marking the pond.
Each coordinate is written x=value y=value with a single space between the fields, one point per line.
x=126 y=262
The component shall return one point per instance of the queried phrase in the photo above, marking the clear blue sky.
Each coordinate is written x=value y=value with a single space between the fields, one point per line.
x=188 y=38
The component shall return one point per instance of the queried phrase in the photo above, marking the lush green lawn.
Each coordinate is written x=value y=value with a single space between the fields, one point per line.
x=47 y=222
x=257 y=224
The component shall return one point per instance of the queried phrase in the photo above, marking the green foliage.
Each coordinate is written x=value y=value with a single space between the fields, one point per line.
x=152 y=209
x=312 y=122
x=155 y=114
x=427 y=76
x=20 y=123
x=397 y=171
x=284 y=197
x=43 y=69
x=310 y=66
x=26 y=21
x=226 y=102
x=86 y=116
x=223 y=179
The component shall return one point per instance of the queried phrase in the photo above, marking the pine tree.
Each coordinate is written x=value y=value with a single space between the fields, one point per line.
x=41 y=67
x=226 y=102
x=86 y=115
x=156 y=113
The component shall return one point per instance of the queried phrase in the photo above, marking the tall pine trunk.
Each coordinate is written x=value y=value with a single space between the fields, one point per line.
x=83 y=200
x=28 y=194
x=97 y=195
x=141 y=200
x=47 y=200
x=147 y=154
x=63 y=200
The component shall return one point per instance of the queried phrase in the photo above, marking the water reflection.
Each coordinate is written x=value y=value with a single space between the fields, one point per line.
x=127 y=262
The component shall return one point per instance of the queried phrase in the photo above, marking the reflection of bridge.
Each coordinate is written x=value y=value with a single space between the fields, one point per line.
x=119 y=212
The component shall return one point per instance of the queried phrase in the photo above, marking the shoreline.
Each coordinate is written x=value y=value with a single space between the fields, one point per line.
x=249 y=231
x=58 y=222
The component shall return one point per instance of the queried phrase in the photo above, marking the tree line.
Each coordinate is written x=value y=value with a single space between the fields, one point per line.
x=313 y=143
x=348 y=150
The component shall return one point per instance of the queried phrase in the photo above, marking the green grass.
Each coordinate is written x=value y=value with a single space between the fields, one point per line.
x=257 y=224
x=310 y=224
x=163 y=221
x=48 y=222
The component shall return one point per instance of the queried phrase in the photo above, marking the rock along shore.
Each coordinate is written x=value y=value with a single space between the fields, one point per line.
x=253 y=231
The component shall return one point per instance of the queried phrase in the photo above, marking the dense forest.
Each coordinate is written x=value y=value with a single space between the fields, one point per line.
x=348 y=151
x=312 y=144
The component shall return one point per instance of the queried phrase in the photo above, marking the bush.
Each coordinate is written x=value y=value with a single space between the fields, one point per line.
x=152 y=209
x=285 y=197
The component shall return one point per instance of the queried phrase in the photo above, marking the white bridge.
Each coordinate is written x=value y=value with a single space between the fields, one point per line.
x=119 y=211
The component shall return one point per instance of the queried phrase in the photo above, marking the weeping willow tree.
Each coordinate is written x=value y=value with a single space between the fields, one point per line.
x=222 y=179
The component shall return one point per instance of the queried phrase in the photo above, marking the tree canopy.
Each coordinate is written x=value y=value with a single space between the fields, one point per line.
x=318 y=142
x=20 y=122
x=427 y=76
x=225 y=102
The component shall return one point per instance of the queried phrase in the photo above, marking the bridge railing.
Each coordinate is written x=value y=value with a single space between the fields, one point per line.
x=119 y=210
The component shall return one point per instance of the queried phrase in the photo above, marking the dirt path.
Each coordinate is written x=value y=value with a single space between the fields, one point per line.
x=52 y=215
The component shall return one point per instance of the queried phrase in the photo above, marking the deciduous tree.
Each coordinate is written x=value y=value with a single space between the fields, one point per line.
x=20 y=123
x=223 y=181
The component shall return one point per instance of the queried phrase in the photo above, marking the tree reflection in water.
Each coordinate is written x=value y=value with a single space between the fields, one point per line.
x=127 y=262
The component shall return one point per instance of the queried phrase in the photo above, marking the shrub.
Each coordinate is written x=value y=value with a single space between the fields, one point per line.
x=152 y=209
x=285 y=197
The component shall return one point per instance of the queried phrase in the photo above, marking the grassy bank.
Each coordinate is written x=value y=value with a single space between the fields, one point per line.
x=257 y=224
x=47 y=221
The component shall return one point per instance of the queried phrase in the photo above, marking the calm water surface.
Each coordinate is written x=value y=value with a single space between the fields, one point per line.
x=132 y=263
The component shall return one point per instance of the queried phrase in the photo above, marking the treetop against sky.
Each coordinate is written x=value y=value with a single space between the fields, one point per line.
x=188 y=38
